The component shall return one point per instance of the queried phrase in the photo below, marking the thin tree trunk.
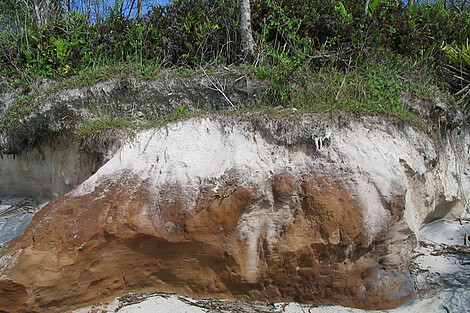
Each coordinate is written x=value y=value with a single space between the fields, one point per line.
x=121 y=7
x=130 y=9
x=88 y=12
x=37 y=12
x=139 y=10
x=366 y=9
x=245 y=27
x=19 y=26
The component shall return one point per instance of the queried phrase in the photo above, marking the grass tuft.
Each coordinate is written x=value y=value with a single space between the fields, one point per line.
x=92 y=128
x=20 y=107
x=95 y=74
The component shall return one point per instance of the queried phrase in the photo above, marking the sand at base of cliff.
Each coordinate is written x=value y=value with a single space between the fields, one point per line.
x=179 y=304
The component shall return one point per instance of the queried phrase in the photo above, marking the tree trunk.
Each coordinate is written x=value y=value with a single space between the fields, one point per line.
x=245 y=27
x=366 y=9
x=139 y=10
x=37 y=12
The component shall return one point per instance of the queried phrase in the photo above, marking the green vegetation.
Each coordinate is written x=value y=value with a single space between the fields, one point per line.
x=94 y=74
x=93 y=128
x=458 y=70
x=373 y=89
x=316 y=55
x=20 y=107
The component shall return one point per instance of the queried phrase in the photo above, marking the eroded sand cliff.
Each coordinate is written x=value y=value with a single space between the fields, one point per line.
x=248 y=208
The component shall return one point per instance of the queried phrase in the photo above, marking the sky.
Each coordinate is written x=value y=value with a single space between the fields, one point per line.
x=82 y=6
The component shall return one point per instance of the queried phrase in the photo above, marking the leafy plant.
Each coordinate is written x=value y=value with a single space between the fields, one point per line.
x=179 y=113
x=342 y=11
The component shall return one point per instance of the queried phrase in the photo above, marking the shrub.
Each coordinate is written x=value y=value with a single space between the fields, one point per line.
x=458 y=71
